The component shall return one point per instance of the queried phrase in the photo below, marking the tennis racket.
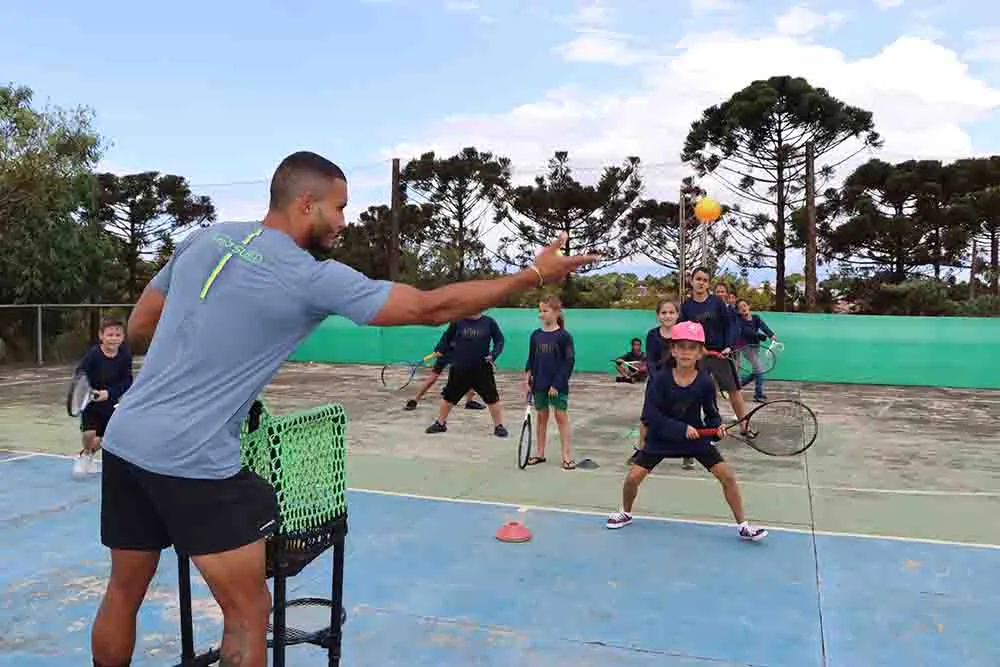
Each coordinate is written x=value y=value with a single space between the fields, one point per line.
x=524 y=442
x=79 y=395
x=397 y=375
x=755 y=359
x=783 y=427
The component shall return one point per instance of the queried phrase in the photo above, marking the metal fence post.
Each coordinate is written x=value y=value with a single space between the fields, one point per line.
x=38 y=335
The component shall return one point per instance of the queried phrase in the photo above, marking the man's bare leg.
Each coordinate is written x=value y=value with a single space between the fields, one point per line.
x=237 y=579
x=112 y=639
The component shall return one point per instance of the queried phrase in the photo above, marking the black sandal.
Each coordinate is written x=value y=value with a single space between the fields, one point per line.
x=569 y=465
x=535 y=460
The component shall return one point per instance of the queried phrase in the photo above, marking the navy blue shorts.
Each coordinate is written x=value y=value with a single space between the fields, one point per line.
x=708 y=456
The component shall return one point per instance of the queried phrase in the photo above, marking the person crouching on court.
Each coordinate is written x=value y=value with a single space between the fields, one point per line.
x=472 y=368
x=675 y=401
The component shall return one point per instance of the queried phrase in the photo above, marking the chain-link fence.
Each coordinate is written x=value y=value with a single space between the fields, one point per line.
x=53 y=333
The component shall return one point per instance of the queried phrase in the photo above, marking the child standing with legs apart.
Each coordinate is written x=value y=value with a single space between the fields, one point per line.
x=546 y=377
x=675 y=403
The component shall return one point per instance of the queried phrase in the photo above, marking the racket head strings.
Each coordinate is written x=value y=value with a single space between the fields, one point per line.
x=782 y=428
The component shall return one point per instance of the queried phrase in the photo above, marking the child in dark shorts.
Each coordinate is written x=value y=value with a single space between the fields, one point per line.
x=675 y=401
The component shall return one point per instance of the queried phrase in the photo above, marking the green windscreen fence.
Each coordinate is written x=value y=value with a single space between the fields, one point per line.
x=858 y=349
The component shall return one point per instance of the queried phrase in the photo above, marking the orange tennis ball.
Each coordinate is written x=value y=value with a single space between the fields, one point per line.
x=707 y=210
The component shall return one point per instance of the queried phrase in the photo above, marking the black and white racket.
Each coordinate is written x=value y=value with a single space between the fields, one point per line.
x=397 y=375
x=784 y=427
x=79 y=395
x=524 y=442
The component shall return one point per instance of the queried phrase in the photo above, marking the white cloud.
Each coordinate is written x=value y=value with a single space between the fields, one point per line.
x=801 y=20
x=593 y=15
x=461 y=5
x=710 y=6
x=921 y=95
x=602 y=46
x=983 y=45
x=888 y=4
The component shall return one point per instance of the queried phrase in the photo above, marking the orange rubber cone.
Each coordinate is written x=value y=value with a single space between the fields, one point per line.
x=514 y=531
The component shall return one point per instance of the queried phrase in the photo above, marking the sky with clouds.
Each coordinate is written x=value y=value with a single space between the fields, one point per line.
x=220 y=92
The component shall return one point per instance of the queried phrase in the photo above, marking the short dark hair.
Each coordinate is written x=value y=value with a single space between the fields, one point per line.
x=636 y=340
x=701 y=269
x=108 y=322
x=298 y=172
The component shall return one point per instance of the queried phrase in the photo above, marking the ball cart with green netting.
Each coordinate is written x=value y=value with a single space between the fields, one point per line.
x=303 y=456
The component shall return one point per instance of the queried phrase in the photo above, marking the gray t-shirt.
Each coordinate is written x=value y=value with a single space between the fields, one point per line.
x=223 y=334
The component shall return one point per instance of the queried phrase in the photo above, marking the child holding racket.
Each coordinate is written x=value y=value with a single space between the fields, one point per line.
x=658 y=353
x=753 y=330
x=658 y=338
x=108 y=367
x=442 y=351
x=636 y=367
x=471 y=369
x=679 y=401
x=551 y=357
x=718 y=322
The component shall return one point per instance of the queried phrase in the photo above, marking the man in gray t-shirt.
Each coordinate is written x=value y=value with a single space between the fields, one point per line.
x=228 y=308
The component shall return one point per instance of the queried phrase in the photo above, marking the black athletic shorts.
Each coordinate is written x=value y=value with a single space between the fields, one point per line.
x=708 y=456
x=95 y=417
x=478 y=378
x=723 y=370
x=145 y=511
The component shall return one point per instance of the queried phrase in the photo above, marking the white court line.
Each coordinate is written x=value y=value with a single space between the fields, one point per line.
x=17 y=458
x=704 y=480
x=17 y=383
x=698 y=522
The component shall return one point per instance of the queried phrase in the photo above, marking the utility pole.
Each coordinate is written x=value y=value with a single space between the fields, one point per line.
x=396 y=204
x=810 y=227
x=681 y=250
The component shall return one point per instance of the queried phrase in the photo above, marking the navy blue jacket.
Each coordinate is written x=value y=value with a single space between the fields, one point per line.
x=551 y=357
x=715 y=317
x=750 y=330
x=466 y=342
x=112 y=374
x=657 y=351
x=670 y=408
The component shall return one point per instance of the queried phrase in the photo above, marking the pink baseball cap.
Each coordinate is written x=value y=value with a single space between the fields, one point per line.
x=688 y=331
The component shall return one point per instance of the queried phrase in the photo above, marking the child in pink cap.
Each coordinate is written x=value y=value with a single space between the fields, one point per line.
x=675 y=401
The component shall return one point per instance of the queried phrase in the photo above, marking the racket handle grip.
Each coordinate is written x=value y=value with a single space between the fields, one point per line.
x=709 y=432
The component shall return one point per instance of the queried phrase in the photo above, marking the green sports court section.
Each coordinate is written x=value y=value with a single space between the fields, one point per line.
x=854 y=349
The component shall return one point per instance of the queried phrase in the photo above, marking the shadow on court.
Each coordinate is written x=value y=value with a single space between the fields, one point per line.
x=427 y=584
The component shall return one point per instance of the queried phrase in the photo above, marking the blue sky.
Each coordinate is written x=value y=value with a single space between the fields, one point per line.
x=220 y=92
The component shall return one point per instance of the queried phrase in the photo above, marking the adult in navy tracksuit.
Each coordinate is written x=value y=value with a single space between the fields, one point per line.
x=716 y=319
x=753 y=331
x=471 y=367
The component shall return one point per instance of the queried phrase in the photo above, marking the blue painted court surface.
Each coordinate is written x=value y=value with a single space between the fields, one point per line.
x=427 y=584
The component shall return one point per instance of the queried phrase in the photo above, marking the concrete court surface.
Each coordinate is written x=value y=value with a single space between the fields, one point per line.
x=426 y=572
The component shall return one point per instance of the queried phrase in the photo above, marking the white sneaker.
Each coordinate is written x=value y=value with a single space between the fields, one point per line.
x=748 y=532
x=93 y=467
x=619 y=520
x=82 y=465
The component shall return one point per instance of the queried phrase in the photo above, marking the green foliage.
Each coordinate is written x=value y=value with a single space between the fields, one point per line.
x=595 y=218
x=365 y=246
x=755 y=143
x=143 y=210
x=462 y=192
x=656 y=225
